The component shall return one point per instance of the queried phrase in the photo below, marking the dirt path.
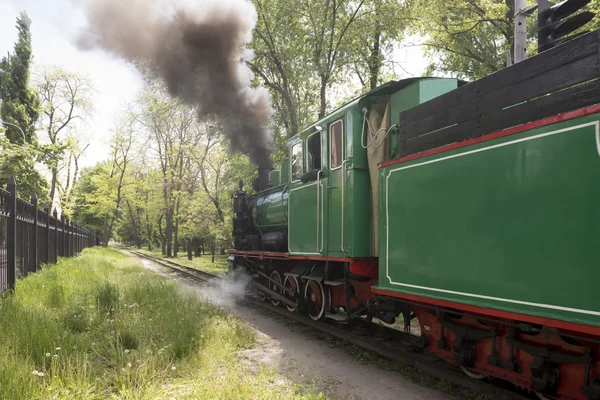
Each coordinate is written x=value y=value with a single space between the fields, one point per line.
x=301 y=356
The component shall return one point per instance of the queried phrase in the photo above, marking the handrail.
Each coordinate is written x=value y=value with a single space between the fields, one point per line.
x=343 y=200
x=317 y=221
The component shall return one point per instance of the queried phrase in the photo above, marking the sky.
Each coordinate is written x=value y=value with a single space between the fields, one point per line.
x=55 y=24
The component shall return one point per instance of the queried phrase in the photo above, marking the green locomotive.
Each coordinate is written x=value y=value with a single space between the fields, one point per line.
x=472 y=208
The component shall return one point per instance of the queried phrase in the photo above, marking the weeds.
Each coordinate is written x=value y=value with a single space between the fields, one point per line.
x=100 y=326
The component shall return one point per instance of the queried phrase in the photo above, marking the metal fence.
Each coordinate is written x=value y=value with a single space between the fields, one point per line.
x=30 y=237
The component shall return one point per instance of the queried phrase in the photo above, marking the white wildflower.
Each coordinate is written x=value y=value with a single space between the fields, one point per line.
x=41 y=374
x=128 y=365
x=58 y=349
x=48 y=354
x=35 y=372
x=173 y=368
x=56 y=356
x=93 y=343
x=147 y=351
x=126 y=351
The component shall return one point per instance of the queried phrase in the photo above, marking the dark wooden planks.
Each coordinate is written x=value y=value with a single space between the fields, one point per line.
x=546 y=106
x=558 y=57
x=522 y=93
x=579 y=71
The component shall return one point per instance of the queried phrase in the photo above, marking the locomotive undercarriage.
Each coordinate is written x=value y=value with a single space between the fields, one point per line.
x=534 y=357
x=315 y=288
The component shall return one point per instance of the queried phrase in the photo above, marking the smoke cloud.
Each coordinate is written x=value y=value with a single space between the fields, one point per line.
x=196 y=48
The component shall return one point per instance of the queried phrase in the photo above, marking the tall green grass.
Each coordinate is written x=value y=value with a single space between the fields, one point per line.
x=100 y=326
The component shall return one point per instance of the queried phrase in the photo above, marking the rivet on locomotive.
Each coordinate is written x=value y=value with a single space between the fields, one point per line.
x=466 y=213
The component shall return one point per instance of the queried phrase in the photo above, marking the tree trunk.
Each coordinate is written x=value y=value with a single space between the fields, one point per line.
x=212 y=246
x=196 y=247
x=189 y=249
x=176 y=241
x=53 y=185
x=222 y=247
x=163 y=242
x=169 y=232
x=323 y=106
x=375 y=64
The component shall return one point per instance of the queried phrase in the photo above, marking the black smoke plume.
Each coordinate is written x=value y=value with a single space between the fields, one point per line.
x=197 y=50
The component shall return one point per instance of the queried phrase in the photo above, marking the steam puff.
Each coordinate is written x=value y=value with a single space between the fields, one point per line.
x=197 y=50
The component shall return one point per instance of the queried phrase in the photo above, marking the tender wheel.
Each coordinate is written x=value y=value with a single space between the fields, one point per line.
x=316 y=300
x=276 y=288
x=472 y=374
x=291 y=282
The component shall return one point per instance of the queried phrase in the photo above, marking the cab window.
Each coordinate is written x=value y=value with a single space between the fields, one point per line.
x=335 y=132
x=313 y=156
x=296 y=162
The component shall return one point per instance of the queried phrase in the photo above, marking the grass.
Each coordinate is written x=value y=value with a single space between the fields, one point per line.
x=100 y=326
x=203 y=262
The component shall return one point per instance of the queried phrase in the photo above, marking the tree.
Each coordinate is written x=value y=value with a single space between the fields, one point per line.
x=66 y=100
x=75 y=149
x=19 y=102
x=19 y=161
x=379 y=28
x=282 y=63
x=19 y=111
x=465 y=38
x=329 y=28
x=172 y=132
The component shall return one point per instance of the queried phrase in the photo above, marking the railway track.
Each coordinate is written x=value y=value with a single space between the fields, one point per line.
x=386 y=342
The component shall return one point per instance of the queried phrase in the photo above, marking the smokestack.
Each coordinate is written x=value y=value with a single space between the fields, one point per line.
x=263 y=178
x=197 y=50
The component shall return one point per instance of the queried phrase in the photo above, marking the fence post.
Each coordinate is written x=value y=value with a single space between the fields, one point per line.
x=35 y=261
x=47 y=211
x=55 y=215
x=11 y=239
x=67 y=237
x=62 y=235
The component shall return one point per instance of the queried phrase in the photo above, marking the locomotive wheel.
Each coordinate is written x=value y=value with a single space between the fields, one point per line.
x=317 y=300
x=541 y=396
x=472 y=374
x=277 y=278
x=290 y=282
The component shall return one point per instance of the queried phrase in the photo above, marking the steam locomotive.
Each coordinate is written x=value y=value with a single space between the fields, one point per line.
x=469 y=213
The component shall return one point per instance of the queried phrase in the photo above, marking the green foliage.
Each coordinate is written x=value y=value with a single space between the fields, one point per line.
x=93 y=198
x=465 y=38
x=20 y=161
x=19 y=102
x=19 y=105
x=158 y=343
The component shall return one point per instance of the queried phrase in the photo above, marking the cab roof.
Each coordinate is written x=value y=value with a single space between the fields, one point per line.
x=384 y=90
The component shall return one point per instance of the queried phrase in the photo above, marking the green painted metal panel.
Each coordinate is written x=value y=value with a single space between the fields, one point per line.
x=431 y=88
x=511 y=224
x=305 y=229
x=357 y=222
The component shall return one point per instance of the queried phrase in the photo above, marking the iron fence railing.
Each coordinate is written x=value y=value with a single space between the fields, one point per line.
x=30 y=237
